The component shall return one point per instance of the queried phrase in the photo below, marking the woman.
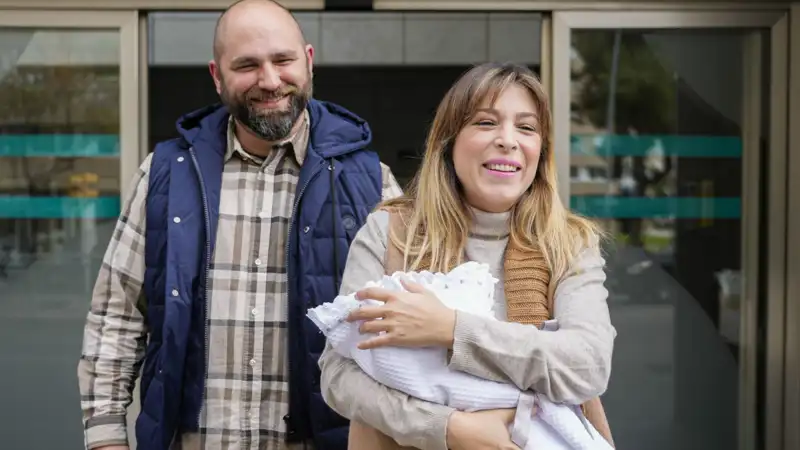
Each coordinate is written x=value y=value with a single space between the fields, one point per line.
x=486 y=191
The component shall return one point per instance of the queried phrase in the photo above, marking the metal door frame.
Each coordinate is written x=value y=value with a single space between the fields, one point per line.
x=126 y=23
x=777 y=22
x=792 y=350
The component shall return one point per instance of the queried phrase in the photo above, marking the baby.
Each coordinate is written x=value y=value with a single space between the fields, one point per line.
x=423 y=372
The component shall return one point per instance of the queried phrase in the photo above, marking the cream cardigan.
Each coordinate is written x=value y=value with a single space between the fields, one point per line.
x=570 y=366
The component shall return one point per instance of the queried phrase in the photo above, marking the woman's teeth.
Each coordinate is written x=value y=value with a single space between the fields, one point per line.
x=502 y=167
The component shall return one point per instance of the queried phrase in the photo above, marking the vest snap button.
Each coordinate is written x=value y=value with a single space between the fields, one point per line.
x=180 y=158
x=306 y=229
x=349 y=222
x=177 y=220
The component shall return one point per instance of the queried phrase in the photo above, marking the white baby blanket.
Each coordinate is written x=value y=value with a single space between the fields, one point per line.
x=423 y=373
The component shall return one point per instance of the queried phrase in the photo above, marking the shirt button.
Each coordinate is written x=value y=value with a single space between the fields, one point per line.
x=177 y=220
x=252 y=362
x=263 y=214
x=254 y=312
x=180 y=158
x=174 y=292
x=258 y=262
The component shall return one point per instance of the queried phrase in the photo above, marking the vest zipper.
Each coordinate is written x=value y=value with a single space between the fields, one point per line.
x=205 y=286
x=287 y=418
x=336 y=281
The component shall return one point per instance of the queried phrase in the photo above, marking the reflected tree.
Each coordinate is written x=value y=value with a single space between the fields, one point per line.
x=644 y=105
x=53 y=100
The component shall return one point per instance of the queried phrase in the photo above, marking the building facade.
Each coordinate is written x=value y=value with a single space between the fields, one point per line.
x=677 y=125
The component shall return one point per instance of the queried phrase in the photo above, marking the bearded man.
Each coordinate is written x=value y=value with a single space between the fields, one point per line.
x=229 y=234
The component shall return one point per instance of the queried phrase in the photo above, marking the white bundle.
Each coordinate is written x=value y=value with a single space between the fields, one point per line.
x=423 y=373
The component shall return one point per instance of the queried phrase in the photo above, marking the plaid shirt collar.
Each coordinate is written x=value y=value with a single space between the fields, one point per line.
x=295 y=143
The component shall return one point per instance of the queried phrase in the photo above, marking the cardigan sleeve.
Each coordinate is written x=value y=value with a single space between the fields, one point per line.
x=570 y=365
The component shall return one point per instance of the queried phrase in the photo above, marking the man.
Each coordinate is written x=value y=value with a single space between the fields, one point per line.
x=231 y=232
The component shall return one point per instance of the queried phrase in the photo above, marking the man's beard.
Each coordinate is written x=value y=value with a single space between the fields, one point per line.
x=269 y=125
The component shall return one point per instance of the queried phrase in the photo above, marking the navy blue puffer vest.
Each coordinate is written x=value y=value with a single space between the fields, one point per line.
x=340 y=184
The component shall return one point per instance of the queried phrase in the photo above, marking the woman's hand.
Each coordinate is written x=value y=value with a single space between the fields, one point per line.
x=480 y=430
x=408 y=319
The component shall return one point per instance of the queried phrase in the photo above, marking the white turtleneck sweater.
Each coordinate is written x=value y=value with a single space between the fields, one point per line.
x=571 y=365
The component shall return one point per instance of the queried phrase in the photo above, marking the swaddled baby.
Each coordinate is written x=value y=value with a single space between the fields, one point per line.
x=423 y=372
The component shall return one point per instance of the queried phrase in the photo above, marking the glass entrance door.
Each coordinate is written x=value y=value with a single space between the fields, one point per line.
x=66 y=90
x=667 y=133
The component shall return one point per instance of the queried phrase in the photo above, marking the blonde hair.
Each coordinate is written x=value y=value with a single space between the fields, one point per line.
x=435 y=212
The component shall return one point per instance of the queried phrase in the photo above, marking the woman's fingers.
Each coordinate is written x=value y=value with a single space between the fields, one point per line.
x=375 y=293
x=367 y=313
x=378 y=341
x=414 y=288
x=375 y=326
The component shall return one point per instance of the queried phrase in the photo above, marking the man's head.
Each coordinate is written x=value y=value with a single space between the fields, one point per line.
x=262 y=67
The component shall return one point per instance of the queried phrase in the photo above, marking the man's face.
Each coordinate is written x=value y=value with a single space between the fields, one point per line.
x=264 y=76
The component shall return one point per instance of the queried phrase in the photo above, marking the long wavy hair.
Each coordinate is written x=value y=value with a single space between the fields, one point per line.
x=435 y=211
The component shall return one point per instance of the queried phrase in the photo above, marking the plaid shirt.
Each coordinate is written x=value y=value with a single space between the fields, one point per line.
x=246 y=394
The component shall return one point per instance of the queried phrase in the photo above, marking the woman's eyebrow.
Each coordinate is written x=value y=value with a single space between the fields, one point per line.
x=520 y=115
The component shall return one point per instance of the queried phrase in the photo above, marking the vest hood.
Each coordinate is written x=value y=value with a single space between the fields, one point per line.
x=335 y=131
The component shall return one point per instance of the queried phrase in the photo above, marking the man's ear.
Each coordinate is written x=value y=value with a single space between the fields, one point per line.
x=213 y=67
x=310 y=58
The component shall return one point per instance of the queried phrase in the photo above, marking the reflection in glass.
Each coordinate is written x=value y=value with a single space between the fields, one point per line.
x=59 y=198
x=656 y=156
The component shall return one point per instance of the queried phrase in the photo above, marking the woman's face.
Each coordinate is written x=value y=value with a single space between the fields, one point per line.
x=497 y=153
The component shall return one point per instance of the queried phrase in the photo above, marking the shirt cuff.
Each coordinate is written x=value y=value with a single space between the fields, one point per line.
x=106 y=430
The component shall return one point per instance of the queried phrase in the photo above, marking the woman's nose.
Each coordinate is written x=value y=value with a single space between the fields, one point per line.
x=506 y=139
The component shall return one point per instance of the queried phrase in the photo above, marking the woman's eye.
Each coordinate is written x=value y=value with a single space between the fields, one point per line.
x=484 y=123
x=527 y=127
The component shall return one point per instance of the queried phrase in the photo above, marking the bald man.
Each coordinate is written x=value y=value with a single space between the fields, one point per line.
x=229 y=234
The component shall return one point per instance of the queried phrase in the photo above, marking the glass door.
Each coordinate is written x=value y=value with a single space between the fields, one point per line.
x=670 y=130
x=68 y=145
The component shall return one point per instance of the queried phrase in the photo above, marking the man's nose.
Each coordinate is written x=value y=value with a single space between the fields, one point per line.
x=269 y=79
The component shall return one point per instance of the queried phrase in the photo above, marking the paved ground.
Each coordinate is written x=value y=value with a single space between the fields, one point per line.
x=670 y=367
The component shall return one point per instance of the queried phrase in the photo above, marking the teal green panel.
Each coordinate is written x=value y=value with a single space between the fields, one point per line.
x=59 y=145
x=662 y=207
x=18 y=207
